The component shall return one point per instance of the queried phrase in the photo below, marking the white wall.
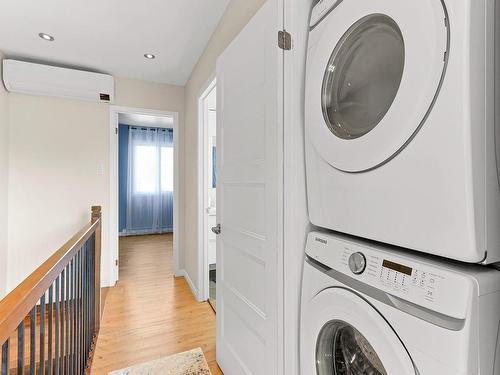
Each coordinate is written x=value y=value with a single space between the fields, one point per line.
x=3 y=184
x=237 y=15
x=56 y=148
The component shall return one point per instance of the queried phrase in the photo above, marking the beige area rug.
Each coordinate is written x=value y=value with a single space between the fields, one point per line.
x=192 y=362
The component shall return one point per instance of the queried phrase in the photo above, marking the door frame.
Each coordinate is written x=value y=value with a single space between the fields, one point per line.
x=114 y=111
x=296 y=219
x=203 y=271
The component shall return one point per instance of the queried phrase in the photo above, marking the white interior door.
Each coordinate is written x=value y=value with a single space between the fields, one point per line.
x=249 y=198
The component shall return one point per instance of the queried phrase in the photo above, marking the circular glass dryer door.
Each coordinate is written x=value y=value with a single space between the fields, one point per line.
x=342 y=334
x=373 y=75
x=362 y=76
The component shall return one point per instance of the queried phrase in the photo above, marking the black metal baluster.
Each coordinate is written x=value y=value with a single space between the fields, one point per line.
x=87 y=327
x=5 y=358
x=93 y=288
x=67 y=323
x=70 y=318
x=82 y=310
x=57 y=325
x=91 y=331
x=33 y=341
x=42 y=335
x=89 y=287
x=63 y=297
x=80 y=302
x=89 y=295
x=20 y=348
x=91 y=283
x=77 y=314
x=50 y=329
x=73 y=311
x=84 y=329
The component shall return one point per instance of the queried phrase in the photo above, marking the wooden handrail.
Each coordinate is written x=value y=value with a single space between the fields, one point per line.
x=18 y=303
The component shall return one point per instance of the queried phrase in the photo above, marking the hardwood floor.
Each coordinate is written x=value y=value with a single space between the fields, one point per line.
x=150 y=314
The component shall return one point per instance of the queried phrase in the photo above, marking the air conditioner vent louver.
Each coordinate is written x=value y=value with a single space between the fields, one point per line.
x=45 y=80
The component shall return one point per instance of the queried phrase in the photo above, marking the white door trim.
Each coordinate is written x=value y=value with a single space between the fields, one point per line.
x=296 y=219
x=113 y=181
x=203 y=288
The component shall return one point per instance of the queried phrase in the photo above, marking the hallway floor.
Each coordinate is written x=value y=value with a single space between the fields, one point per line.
x=150 y=314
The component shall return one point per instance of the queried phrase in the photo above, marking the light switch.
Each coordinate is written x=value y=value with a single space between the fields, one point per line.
x=100 y=170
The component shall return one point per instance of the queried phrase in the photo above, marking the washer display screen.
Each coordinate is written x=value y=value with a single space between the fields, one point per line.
x=397 y=267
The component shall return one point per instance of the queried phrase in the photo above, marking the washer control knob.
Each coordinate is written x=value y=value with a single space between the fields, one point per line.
x=357 y=263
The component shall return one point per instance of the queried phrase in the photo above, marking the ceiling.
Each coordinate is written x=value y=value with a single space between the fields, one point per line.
x=112 y=36
x=145 y=120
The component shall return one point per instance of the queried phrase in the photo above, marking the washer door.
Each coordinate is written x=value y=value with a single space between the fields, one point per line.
x=342 y=334
x=373 y=77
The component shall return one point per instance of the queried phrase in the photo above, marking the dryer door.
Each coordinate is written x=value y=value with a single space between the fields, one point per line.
x=344 y=335
x=374 y=72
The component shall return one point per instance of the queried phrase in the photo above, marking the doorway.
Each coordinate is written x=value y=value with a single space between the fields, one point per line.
x=143 y=178
x=207 y=110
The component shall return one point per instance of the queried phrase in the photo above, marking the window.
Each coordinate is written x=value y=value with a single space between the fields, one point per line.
x=145 y=169
x=167 y=167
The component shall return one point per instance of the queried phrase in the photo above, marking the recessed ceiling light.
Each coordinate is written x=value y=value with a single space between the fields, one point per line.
x=149 y=56
x=46 y=37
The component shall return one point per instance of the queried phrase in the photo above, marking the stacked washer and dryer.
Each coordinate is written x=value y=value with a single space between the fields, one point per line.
x=402 y=155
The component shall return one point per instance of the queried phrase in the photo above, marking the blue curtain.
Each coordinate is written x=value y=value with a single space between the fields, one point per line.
x=122 y=175
x=149 y=181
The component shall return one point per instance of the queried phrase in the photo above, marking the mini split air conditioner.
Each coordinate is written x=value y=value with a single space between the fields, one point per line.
x=37 y=79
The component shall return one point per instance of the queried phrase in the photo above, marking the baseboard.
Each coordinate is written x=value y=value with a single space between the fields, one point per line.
x=104 y=296
x=105 y=283
x=194 y=290
x=129 y=234
x=178 y=273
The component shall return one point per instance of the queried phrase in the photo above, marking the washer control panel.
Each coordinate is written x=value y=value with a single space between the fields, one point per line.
x=428 y=283
x=400 y=277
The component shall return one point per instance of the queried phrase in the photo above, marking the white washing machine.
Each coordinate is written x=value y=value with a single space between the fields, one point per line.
x=372 y=310
x=400 y=123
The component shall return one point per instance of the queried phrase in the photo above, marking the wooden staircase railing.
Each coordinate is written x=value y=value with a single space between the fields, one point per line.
x=49 y=323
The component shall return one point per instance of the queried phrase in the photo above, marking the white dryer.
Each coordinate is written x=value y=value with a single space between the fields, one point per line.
x=400 y=123
x=372 y=310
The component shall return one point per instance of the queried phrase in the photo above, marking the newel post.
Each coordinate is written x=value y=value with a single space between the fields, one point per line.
x=97 y=217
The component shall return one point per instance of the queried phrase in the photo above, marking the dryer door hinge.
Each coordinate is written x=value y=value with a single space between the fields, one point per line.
x=284 y=40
